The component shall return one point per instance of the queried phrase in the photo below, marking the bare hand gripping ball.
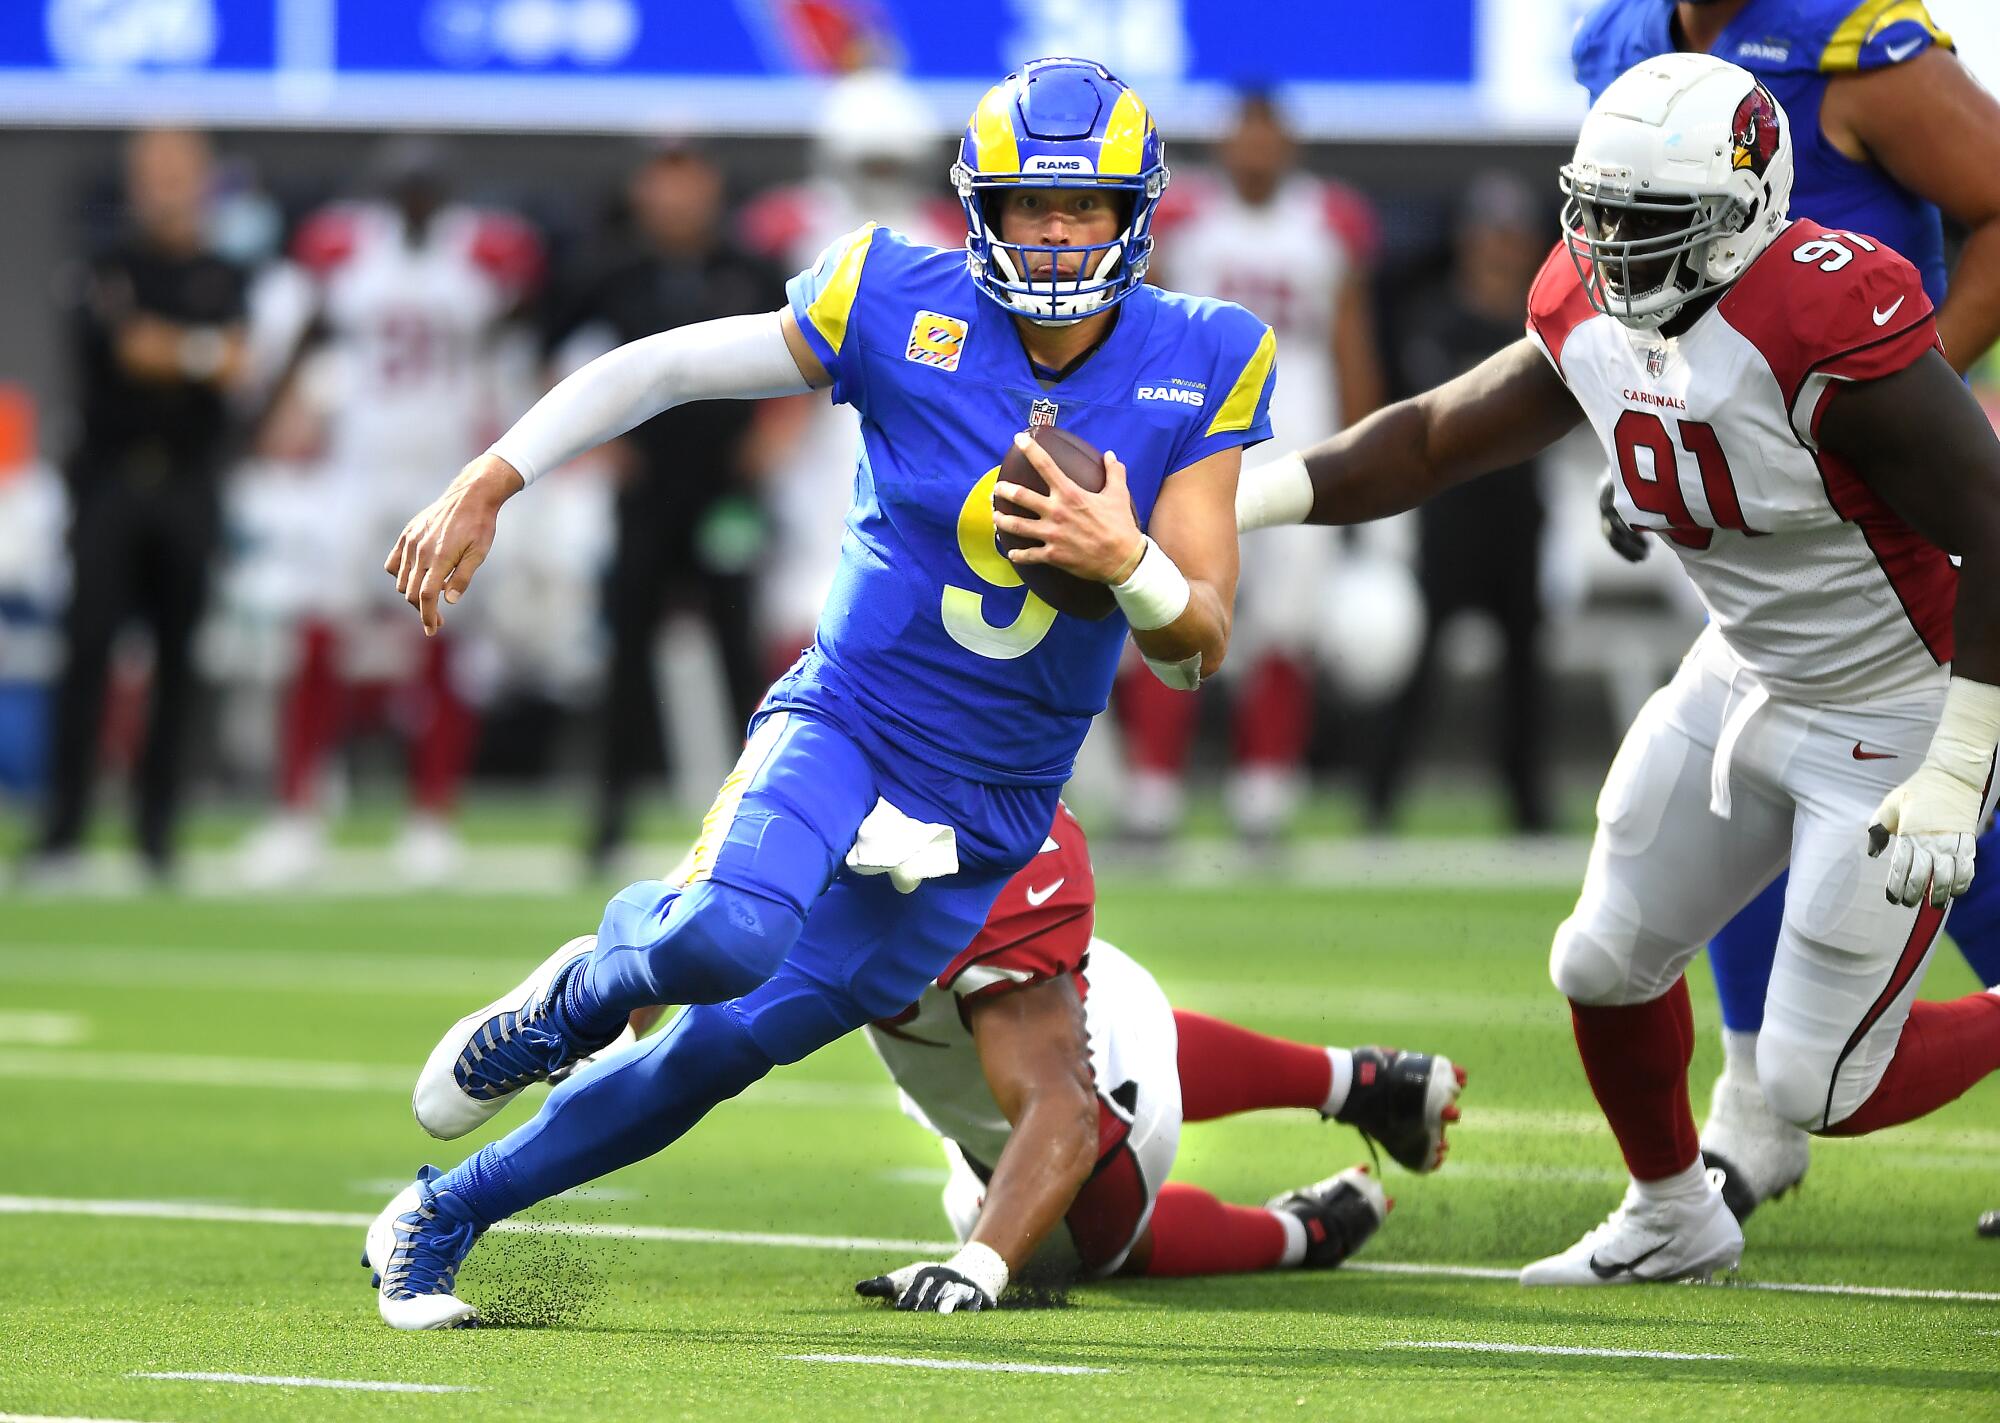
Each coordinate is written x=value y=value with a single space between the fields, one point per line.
x=1065 y=592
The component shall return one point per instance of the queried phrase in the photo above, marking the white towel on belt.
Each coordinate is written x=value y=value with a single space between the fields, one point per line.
x=907 y=850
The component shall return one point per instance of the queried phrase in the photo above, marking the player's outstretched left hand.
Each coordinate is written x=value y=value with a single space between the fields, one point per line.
x=1093 y=536
x=968 y=1282
x=1928 y=825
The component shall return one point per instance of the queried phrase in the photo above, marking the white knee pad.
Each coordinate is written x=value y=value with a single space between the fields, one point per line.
x=1795 y=1079
x=1589 y=965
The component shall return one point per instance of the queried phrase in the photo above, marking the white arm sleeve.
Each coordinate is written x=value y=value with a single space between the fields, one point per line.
x=1277 y=493
x=736 y=358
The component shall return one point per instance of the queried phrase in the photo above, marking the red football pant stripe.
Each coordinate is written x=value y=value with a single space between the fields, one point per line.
x=1196 y=1234
x=1636 y=1056
x=1226 y=1069
x=1944 y=1049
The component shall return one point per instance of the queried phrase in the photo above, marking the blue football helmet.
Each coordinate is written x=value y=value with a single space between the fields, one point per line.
x=1060 y=123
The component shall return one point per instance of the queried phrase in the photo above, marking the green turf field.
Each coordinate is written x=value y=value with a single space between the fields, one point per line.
x=237 y=1073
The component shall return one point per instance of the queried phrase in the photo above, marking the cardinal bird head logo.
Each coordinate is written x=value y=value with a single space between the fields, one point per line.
x=1755 y=131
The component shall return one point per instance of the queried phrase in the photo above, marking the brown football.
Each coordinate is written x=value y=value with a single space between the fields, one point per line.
x=1065 y=592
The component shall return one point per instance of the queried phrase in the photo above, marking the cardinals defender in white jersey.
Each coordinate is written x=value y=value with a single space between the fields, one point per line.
x=1775 y=403
x=1296 y=250
x=1058 y=1075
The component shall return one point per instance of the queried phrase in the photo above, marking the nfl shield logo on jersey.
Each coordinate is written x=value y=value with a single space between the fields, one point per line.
x=1656 y=360
x=936 y=341
x=1042 y=412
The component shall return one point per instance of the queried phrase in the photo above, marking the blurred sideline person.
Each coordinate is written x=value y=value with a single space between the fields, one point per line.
x=33 y=592
x=407 y=291
x=1057 y=1076
x=873 y=160
x=1841 y=711
x=1296 y=250
x=1890 y=129
x=685 y=478
x=159 y=336
x=1479 y=546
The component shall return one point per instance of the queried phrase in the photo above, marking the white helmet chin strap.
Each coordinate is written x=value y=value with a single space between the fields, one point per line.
x=1041 y=307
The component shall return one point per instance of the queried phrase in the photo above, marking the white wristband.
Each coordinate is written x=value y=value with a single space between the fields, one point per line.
x=982 y=1265
x=1156 y=593
x=1967 y=731
x=1277 y=493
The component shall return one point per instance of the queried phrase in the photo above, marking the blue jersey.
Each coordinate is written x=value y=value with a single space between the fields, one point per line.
x=1795 y=47
x=928 y=637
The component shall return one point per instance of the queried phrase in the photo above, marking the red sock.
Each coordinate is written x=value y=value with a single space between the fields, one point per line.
x=1944 y=1049
x=1158 y=722
x=1195 y=1234
x=441 y=746
x=1636 y=1056
x=314 y=711
x=1274 y=714
x=1226 y=1069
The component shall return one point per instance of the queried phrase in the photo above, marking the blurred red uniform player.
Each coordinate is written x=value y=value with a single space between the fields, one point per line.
x=1296 y=250
x=408 y=291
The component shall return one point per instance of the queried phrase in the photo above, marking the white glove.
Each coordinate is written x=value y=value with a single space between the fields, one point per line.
x=907 y=850
x=1930 y=823
x=968 y=1282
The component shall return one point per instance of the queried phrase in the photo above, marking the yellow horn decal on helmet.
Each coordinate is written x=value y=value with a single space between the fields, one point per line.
x=993 y=143
x=1124 y=146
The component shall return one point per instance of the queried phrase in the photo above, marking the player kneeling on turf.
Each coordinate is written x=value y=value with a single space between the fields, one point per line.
x=1058 y=1075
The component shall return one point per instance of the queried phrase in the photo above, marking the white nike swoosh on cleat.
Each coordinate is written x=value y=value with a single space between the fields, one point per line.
x=1038 y=897
x=1882 y=317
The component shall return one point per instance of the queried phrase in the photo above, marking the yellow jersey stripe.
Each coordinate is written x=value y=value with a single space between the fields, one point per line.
x=830 y=309
x=1239 y=411
x=1124 y=145
x=1843 y=51
x=994 y=146
x=699 y=863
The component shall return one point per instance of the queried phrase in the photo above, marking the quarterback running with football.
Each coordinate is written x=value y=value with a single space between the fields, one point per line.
x=909 y=763
x=1773 y=398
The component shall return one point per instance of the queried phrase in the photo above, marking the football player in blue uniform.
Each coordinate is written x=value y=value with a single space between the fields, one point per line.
x=909 y=763
x=1889 y=128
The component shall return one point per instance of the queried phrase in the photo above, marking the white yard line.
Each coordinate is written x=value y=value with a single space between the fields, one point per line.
x=1475 y=1346
x=684 y=1235
x=289 y=1381
x=43 y=1029
x=57 y=1418
x=973 y=1365
x=299 y=1075
x=487 y=870
x=255 y=1215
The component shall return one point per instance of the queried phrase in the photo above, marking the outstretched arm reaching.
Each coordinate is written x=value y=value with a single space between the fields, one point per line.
x=736 y=358
x=1507 y=409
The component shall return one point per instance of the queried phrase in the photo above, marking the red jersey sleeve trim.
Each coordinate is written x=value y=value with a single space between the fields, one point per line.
x=324 y=241
x=1557 y=303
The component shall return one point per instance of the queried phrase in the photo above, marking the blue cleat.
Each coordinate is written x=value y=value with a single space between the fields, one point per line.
x=415 y=1248
x=489 y=1056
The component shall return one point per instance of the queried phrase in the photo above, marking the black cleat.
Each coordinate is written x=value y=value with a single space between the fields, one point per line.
x=1339 y=1215
x=1403 y=1101
x=1737 y=1193
x=1989 y=1225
